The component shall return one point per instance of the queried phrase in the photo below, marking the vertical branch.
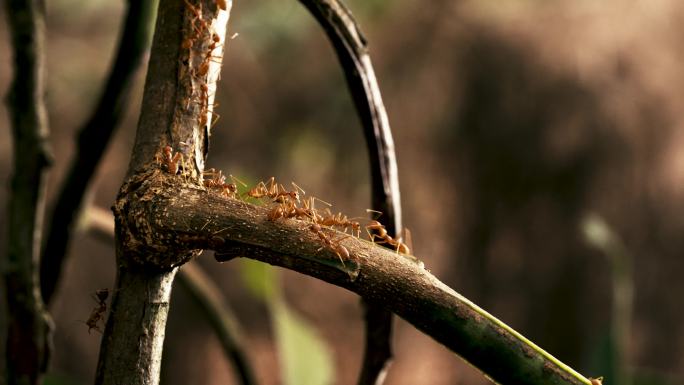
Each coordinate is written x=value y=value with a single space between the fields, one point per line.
x=203 y=291
x=93 y=139
x=352 y=52
x=29 y=325
x=175 y=117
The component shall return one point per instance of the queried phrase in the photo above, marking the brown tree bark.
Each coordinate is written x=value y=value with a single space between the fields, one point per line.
x=176 y=113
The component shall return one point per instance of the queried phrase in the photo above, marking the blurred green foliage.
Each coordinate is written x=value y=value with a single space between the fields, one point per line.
x=305 y=358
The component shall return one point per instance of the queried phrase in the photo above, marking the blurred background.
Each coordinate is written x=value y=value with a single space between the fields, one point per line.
x=540 y=151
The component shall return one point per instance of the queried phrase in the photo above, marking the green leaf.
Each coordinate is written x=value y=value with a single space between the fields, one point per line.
x=260 y=279
x=304 y=357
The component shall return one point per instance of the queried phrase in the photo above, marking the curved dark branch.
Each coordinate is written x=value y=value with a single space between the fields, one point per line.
x=93 y=139
x=352 y=51
x=205 y=292
x=192 y=218
x=29 y=325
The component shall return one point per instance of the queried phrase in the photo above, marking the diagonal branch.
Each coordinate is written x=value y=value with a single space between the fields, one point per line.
x=93 y=139
x=352 y=52
x=29 y=325
x=198 y=219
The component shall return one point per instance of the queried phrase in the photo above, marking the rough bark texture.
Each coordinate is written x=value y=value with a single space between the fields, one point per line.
x=93 y=139
x=176 y=112
x=352 y=52
x=200 y=219
x=29 y=326
x=204 y=292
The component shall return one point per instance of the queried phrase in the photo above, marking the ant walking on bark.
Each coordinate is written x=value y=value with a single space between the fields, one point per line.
x=99 y=311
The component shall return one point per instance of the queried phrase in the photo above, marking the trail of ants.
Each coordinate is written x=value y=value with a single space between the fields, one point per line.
x=291 y=204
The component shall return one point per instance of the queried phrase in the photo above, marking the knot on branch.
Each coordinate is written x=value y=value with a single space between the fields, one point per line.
x=142 y=219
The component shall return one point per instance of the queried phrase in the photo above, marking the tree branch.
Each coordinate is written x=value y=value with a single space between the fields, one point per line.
x=176 y=116
x=198 y=219
x=221 y=318
x=93 y=139
x=206 y=294
x=352 y=52
x=29 y=325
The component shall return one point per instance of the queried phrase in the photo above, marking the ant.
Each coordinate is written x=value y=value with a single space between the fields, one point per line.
x=197 y=12
x=197 y=17
x=205 y=108
x=596 y=381
x=277 y=192
x=381 y=233
x=204 y=67
x=341 y=221
x=98 y=312
x=171 y=161
x=341 y=251
x=223 y=4
x=261 y=191
x=283 y=195
x=218 y=180
x=289 y=209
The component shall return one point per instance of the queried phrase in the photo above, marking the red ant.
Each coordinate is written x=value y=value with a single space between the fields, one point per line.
x=381 y=233
x=218 y=180
x=341 y=221
x=282 y=195
x=261 y=191
x=341 y=251
x=289 y=209
x=99 y=311
x=275 y=191
x=223 y=4
x=204 y=67
x=171 y=161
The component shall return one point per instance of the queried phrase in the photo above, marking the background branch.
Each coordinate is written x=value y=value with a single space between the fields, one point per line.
x=93 y=139
x=203 y=291
x=237 y=229
x=352 y=52
x=29 y=325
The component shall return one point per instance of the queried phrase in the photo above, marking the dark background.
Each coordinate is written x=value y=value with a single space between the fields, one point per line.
x=513 y=120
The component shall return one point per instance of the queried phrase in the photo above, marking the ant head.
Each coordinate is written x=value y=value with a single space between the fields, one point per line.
x=102 y=294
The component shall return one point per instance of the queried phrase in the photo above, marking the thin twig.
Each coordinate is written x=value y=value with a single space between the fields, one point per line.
x=206 y=294
x=29 y=325
x=174 y=215
x=93 y=139
x=352 y=51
